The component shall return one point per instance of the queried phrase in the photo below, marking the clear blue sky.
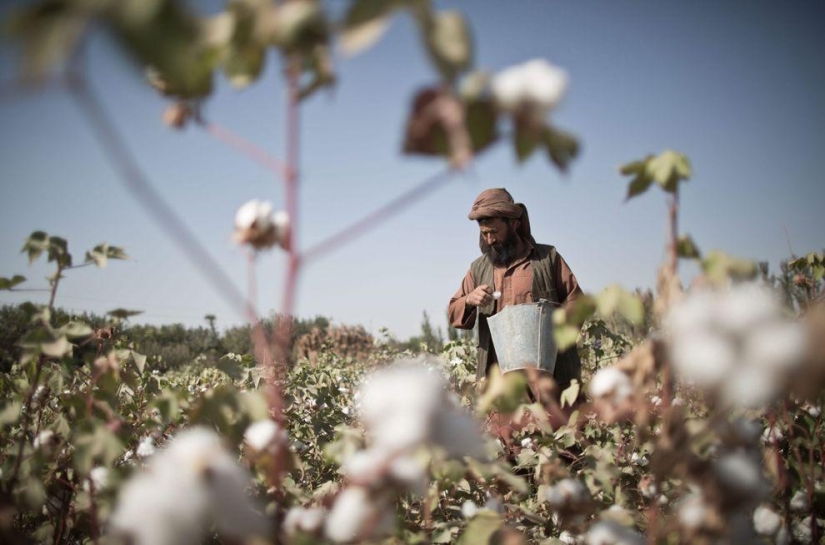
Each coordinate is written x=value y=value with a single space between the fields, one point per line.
x=738 y=87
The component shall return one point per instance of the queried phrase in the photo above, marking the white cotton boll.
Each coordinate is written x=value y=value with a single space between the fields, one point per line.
x=409 y=472
x=704 y=358
x=799 y=502
x=567 y=493
x=779 y=346
x=366 y=467
x=459 y=434
x=189 y=485
x=802 y=530
x=158 y=509
x=508 y=88
x=254 y=213
x=772 y=434
x=692 y=511
x=469 y=509
x=607 y=532
x=544 y=83
x=307 y=520
x=746 y=306
x=44 y=439
x=356 y=516
x=263 y=434
x=536 y=82
x=568 y=538
x=99 y=477
x=399 y=403
x=527 y=442
x=611 y=383
x=146 y=447
x=638 y=460
x=766 y=521
x=750 y=388
x=741 y=473
x=696 y=313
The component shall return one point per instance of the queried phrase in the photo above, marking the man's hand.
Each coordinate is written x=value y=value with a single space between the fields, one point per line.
x=481 y=296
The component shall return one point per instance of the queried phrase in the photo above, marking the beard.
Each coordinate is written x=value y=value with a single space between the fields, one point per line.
x=502 y=254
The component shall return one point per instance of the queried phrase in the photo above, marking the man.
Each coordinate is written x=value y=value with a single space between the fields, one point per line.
x=518 y=268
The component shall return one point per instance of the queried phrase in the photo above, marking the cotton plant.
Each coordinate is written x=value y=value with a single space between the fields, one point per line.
x=189 y=486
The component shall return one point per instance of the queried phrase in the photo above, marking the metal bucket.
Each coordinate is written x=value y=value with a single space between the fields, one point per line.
x=523 y=336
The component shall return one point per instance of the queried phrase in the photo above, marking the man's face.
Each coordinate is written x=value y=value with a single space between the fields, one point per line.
x=499 y=240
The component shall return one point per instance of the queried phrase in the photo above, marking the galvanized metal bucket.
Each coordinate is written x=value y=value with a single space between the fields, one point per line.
x=523 y=336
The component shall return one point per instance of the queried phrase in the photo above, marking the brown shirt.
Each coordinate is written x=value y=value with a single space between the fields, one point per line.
x=515 y=283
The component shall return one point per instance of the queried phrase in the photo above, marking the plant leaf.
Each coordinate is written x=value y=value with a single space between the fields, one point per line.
x=9 y=283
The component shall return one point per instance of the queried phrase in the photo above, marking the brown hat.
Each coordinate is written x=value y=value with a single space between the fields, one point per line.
x=498 y=203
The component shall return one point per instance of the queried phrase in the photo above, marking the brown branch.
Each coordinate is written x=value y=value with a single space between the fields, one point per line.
x=246 y=147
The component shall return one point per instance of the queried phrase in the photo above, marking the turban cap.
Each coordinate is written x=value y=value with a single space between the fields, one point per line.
x=498 y=203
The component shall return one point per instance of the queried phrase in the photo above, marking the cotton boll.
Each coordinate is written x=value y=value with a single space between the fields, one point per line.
x=146 y=447
x=567 y=494
x=746 y=306
x=263 y=434
x=799 y=502
x=703 y=357
x=155 y=510
x=611 y=383
x=187 y=486
x=355 y=515
x=536 y=83
x=777 y=347
x=409 y=472
x=469 y=509
x=766 y=521
x=399 y=403
x=692 y=511
x=693 y=314
x=751 y=388
x=612 y=533
x=99 y=477
x=544 y=83
x=303 y=519
x=366 y=467
x=508 y=88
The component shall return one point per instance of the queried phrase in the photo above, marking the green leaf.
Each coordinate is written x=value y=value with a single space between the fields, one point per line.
x=232 y=368
x=73 y=330
x=720 y=267
x=639 y=185
x=482 y=123
x=123 y=313
x=101 y=253
x=9 y=283
x=59 y=252
x=449 y=43
x=365 y=23
x=481 y=529
x=48 y=33
x=668 y=169
x=36 y=244
x=10 y=413
x=243 y=65
x=570 y=394
x=525 y=139
x=562 y=147
x=57 y=348
x=139 y=359
x=687 y=249
x=614 y=299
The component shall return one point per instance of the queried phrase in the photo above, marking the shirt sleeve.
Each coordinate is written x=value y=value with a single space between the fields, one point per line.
x=460 y=314
x=567 y=286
